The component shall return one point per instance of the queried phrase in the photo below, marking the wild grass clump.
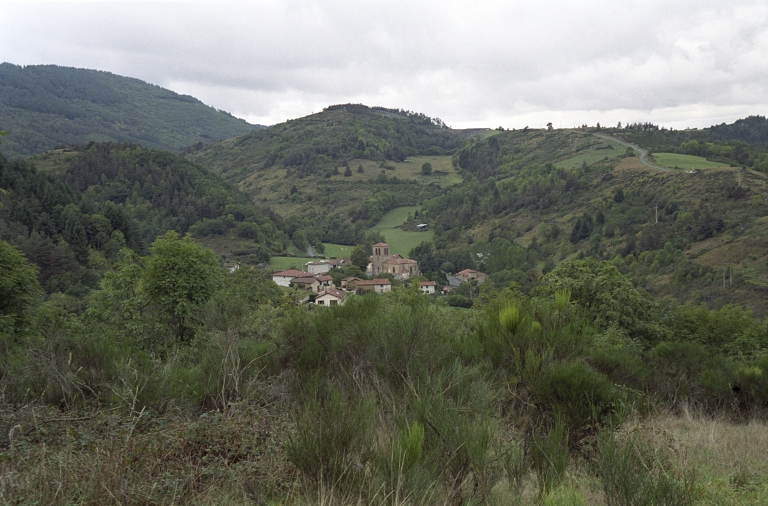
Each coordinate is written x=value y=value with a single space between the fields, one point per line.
x=633 y=472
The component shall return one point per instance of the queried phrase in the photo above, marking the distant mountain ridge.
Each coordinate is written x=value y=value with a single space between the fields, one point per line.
x=44 y=106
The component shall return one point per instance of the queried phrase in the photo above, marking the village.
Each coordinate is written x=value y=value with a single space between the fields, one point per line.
x=383 y=266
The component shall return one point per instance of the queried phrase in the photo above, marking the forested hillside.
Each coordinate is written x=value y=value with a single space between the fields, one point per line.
x=71 y=211
x=43 y=106
x=526 y=206
x=338 y=171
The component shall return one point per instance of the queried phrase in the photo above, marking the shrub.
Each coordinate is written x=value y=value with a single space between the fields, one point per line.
x=333 y=438
x=633 y=473
x=574 y=391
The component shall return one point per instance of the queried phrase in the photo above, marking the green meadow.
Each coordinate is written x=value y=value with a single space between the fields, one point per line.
x=401 y=241
x=675 y=160
x=609 y=149
x=285 y=263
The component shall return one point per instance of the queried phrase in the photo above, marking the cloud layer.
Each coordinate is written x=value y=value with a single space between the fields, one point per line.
x=509 y=63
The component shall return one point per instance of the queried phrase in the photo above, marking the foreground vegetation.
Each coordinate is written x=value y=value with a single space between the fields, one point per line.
x=178 y=383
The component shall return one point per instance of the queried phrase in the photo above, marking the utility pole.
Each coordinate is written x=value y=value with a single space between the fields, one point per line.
x=657 y=212
x=739 y=177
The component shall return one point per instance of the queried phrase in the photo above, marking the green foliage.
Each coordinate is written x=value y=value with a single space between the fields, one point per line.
x=306 y=146
x=360 y=256
x=607 y=296
x=332 y=439
x=426 y=168
x=19 y=289
x=180 y=275
x=549 y=456
x=633 y=473
x=575 y=393
x=44 y=106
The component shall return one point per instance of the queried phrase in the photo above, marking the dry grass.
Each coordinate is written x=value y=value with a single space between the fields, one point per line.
x=729 y=459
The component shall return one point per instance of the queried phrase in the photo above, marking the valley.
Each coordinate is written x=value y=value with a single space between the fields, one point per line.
x=610 y=350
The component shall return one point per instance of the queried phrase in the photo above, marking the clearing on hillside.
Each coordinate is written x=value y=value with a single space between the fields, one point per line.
x=399 y=240
x=675 y=160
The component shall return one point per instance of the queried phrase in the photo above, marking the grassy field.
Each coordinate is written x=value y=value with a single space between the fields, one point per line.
x=285 y=263
x=401 y=241
x=273 y=186
x=337 y=250
x=593 y=154
x=673 y=160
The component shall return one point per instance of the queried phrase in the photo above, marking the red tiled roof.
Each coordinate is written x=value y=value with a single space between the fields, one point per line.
x=304 y=280
x=399 y=261
x=466 y=272
x=333 y=292
x=325 y=278
x=373 y=282
x=294 y=273
x=426 y=283
x=381 y=244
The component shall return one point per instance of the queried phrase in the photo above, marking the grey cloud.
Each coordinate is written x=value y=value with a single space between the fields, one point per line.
x=509 y=62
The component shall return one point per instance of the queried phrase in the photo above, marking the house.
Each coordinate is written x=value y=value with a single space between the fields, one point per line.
x=325 y=282
x=283 y=278
x=447 y=289
x=383 y=262
x=349 y=283
x=231 y=266
x=468 y=275
x=330 y=297
x=307 y=282
x=427 y=287
x=319 y=267
x=374 y=285
x=338 y=262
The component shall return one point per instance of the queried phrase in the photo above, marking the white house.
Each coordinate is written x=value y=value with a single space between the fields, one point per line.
x=330 y=297
x=283 y=278
x=468 y=275
x=427 y=287
x=319 y=267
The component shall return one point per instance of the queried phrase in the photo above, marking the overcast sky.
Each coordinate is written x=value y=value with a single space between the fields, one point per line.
x=474 y=64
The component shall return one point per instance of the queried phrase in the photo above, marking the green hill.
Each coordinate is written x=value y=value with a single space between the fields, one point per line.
x=70 y=211
x=339 y=171
x=525 y=206
x=42 y=106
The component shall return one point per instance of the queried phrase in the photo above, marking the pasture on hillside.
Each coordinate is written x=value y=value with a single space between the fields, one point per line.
x=675 y=160
x=285 y=263
x=595 y=153
x=401 y=241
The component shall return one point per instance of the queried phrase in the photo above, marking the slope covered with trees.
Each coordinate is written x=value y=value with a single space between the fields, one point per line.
x=42 y=106
x=525 y=207
x=337 y=171
x=72 y=220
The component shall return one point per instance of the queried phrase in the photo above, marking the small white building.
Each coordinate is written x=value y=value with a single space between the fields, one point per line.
x=319 y=267
x=283 y=278
x=468 y=275
x=427 y=287
x=330 y=297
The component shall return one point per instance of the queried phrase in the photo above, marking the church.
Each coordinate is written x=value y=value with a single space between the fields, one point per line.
x=382 y=262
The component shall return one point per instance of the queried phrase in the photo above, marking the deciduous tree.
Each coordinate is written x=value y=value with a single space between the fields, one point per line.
x=180 y=276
